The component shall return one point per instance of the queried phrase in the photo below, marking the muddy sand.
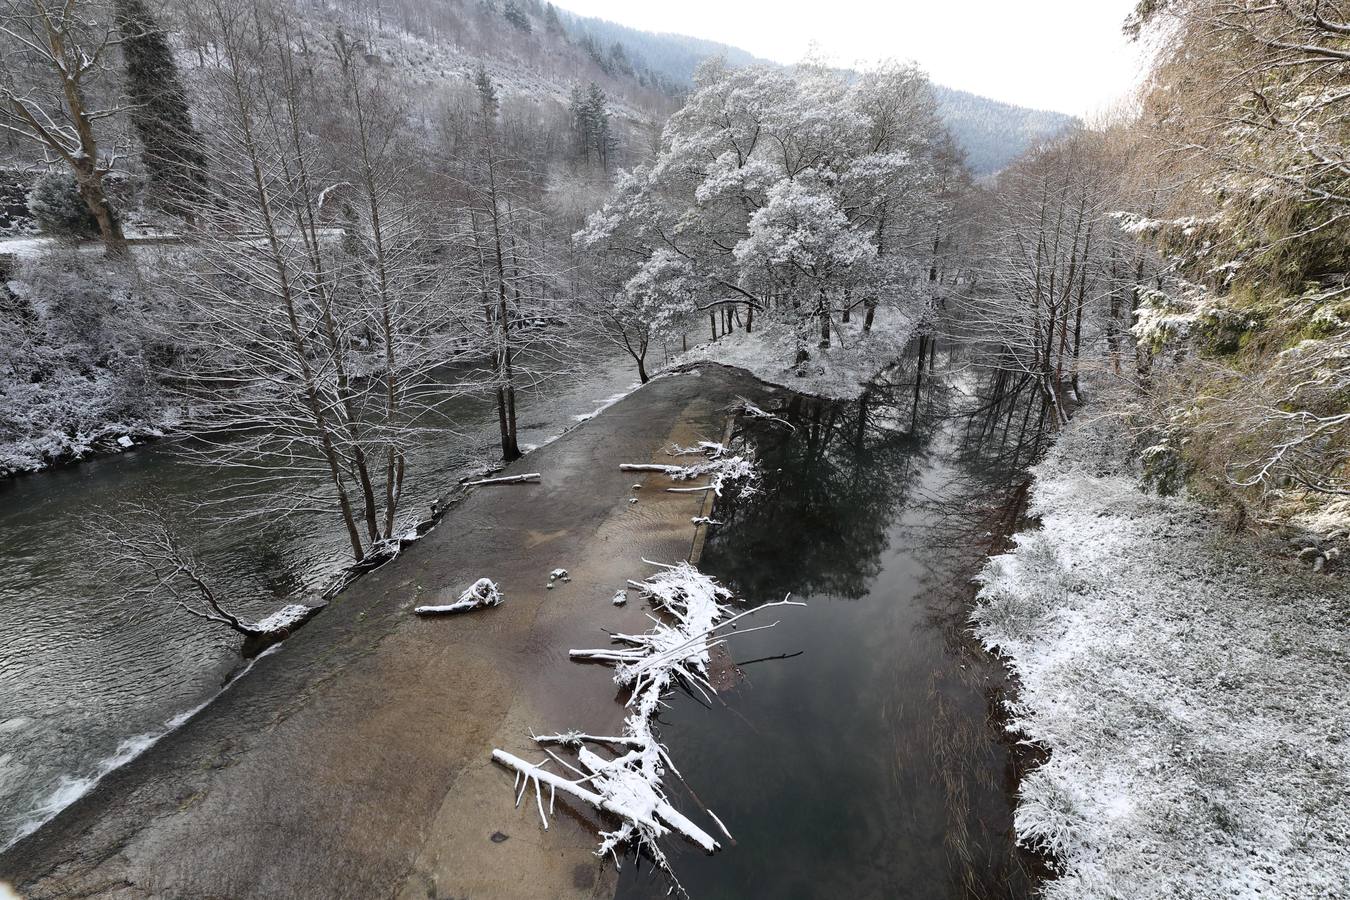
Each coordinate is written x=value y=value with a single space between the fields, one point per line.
x=355 y=761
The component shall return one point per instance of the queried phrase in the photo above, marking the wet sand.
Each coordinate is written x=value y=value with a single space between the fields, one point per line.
x=355 y=762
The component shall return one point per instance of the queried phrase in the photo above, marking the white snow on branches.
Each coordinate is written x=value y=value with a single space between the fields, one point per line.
x=721 y=468
x=482 y=593
x=840 y=372
x=750 y=410
x=628 y=784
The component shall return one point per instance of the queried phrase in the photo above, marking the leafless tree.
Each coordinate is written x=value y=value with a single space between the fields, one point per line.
x=317 y=313
x=1041 y=264
x=145 y=551
x=54 y=63
x=513 y=275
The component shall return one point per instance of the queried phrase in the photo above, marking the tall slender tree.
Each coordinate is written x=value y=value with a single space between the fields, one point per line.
x=171 y=146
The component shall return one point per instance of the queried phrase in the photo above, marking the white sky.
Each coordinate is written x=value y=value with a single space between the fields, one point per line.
x=1065 y=55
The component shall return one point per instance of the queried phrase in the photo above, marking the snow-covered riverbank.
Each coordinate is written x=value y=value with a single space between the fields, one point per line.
x=1192 y=689
x=838 y=372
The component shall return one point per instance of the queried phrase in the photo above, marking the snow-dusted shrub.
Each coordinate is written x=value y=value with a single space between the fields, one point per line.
x=58 y=208
x=73 y=373
x=14 y=215
x=1164 y=469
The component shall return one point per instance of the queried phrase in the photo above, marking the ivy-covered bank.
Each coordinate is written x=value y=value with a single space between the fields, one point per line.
x=1192 y=688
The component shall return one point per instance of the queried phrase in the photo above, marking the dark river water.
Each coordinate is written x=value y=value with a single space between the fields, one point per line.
x=859 y=753
x=87 y=680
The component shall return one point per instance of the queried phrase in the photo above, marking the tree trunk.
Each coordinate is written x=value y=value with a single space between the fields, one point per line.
x=505 y=433
x=109 y=228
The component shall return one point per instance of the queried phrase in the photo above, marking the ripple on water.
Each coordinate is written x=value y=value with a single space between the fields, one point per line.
x=88 y=679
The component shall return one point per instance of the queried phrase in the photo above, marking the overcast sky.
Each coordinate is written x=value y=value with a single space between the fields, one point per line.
x=1065 y=55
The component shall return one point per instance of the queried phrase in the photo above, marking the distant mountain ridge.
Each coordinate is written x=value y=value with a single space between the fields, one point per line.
x=991 y=132
x=674 y=56
x=534 y=49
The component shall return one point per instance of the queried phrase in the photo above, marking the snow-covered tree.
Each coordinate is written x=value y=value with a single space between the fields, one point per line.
x=55 y=92
x=171 y=145
x=782 y=193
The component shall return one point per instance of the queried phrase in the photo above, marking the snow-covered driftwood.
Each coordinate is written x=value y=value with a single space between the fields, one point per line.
x=721 y=468
x=746 y=408
x=628 y=784
x=530 y=478
x=672 y=471
x=482 y=593
x=710 y=449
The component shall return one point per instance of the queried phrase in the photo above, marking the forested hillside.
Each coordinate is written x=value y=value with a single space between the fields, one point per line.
x=992 y=133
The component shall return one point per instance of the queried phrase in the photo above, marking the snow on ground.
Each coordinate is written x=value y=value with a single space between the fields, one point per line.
x=839 y=372
x=51 y=447
x=1194 y=694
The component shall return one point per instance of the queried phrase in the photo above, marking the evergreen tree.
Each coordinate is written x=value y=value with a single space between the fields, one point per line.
x=552 y=24
x=171 y=146
x=580 y=131
x=590 y=125
x=601 y=140
x=487 y=97
x=59 y=210
x=592 y=48
x=516 y=16
x=618 y=59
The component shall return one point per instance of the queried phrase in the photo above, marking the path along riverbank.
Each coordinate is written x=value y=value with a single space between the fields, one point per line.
x=355 y=761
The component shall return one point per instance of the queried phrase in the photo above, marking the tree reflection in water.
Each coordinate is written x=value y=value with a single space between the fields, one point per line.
x=873 y=763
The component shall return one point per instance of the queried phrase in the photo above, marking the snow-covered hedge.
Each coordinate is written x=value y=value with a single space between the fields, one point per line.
x=1194 y=695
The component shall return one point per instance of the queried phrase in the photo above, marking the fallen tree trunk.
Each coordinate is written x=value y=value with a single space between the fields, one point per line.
x=629 y=786
x=531 y=478
x=480 y=595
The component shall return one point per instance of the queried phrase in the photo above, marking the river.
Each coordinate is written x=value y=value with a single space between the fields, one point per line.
x=860 y=752
x=88 y=678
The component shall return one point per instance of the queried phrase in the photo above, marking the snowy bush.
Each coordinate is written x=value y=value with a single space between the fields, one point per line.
x=73 y=373
x=14 y=215
x=58 y=208
x=1164 y=469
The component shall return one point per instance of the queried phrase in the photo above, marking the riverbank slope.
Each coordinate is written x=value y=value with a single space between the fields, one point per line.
x=1192 y=688
x=355 y=761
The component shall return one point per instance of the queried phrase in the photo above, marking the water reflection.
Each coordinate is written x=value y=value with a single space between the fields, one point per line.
x=873 y=763
x=81 y=676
